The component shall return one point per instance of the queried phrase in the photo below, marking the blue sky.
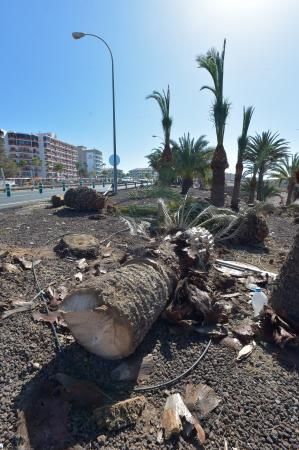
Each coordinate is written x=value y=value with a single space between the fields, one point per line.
x=50 y=82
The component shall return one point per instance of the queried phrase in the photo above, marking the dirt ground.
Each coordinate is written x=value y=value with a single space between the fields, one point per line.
x=260 y=395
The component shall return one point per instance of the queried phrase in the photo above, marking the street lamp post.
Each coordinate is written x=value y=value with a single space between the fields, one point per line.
x=79 y=35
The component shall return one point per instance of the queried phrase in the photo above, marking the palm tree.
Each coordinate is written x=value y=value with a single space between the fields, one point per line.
x=270 y=189
x=8 y=165
x=36 y=163
x=163 y=101
x=191 y=158
x=58 y=167
x=154 y=159
x=213 y=62
x=21 y=164
x=288 y=170
x=242 y=145
x=262 y=154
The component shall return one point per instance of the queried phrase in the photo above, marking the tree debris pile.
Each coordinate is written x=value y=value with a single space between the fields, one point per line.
x=246 y=227
x=84 y=199
x=57 y=201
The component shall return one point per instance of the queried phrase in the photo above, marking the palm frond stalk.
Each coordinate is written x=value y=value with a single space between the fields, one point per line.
x=213 y=62
x=242 y=145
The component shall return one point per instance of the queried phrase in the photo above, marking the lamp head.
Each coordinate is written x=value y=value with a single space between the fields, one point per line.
x=78 y=35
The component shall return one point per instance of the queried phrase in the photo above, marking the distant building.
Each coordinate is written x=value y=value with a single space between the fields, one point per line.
x=145 y=172
x=108 y=173
x=229 y=178
x=91 y=159
x=41 y=154
x=54 y=152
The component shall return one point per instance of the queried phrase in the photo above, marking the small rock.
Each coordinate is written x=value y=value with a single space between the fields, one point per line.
x=79 y=277
x=36 y=365
x=82 y=264
x=102 y=439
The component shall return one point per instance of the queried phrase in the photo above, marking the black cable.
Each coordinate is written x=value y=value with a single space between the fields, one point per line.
x=174 y=380
x=40 y=291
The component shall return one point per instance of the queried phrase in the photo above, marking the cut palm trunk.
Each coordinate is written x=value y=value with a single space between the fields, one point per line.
x=218 y=165
x=284 y=299
x=112 y=314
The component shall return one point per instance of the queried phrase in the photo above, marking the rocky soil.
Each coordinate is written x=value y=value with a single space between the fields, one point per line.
x=260 y=395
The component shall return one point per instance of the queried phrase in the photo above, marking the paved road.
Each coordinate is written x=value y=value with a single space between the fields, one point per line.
x=19 y=198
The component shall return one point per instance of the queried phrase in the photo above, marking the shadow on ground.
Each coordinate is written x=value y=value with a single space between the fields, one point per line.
x=58 y=419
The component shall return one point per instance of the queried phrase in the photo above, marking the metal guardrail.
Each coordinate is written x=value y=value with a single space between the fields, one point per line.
x=8 y=188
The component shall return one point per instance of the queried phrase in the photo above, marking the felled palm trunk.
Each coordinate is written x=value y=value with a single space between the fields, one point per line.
x=218 y=165
x=111 y=315
x=187 y=183
x=237 y=185
x=284 y=299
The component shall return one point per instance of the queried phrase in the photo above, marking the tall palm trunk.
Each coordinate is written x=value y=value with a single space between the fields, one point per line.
x=291 y=186
x=187 y=183
x=237 y=186
x=284 y=298
x=260 y=185
x=252 y=189
x=218 y=165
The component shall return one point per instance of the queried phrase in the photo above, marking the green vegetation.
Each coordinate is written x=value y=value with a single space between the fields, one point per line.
x=9 y=167
x=58 y=167
x=269 y=189
x=36 y=163
x=288 y=170
x=155 y=192
x=191 y=158
x=213 y=62
x=164 y=162
x=263 y=153
x=138 y=210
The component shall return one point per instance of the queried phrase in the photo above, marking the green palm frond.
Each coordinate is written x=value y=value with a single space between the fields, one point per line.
x=191 y=157
x=213 y=62
x=265 y=150
x=163 y=100
x=243 y=139
x=287 y=168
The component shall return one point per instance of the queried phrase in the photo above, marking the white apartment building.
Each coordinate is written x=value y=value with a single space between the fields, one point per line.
x=144 y=172
x=41 y=155
x=91 y=159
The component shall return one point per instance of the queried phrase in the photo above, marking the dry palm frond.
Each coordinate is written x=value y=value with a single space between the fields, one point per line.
x=222 y=223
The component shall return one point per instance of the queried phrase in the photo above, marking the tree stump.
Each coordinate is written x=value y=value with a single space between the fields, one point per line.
x=284 y=299
x=81 y=245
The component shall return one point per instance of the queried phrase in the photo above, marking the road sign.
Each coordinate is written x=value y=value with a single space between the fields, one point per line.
x=111 y=160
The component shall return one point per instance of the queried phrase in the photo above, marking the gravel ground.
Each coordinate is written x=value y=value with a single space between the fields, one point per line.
x=260 y=403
